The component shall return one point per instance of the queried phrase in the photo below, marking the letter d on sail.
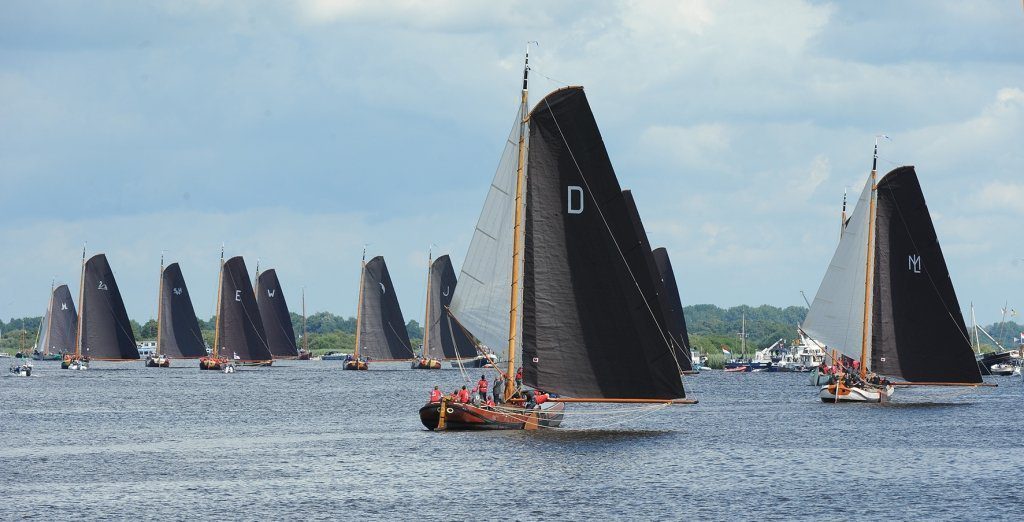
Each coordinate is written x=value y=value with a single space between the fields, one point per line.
x=914 y=263
x=578 y=208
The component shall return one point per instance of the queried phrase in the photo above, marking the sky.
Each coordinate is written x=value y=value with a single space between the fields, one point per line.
x=298 y=132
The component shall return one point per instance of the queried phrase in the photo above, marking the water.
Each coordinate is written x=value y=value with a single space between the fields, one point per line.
x=306 y=440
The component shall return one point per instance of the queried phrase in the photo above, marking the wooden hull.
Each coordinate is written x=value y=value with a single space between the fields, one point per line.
x=460 y=416
x=356 y=365
x=841 y=393
x=254 y=363
x=210 y=363
x=426 y=364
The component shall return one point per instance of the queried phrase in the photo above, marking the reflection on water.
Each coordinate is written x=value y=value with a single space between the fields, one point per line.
x=307 y=440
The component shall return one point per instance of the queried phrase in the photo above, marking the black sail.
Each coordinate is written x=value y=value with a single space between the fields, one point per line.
x=674 y=318
x=636 y=248
x=587 y=329
x=276 y=319
x=241 y=328
x=918 y=332
x=180 y=335
x=63 y=325
x=106 y=330
x=446 y=338
x=382 y=333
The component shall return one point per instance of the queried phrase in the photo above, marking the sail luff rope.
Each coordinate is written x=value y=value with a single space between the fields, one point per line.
x=618 y=249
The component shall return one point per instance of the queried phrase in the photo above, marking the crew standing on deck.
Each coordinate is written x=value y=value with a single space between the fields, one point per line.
x=482 y=387
x=435 y=395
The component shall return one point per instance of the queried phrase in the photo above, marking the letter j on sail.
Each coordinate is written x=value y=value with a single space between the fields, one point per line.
x=575 y=199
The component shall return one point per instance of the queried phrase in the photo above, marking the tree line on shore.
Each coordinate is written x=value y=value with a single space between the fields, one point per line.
x=711 y=329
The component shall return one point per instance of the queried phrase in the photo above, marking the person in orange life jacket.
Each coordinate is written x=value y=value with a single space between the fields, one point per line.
x=519 y=378
x=490 y=402
x=464 y=395
x=481 y=388
x=540 y=397
x=435 y=395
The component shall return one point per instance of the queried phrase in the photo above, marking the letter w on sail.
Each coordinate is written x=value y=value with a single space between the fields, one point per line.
x=914 y=263
x=271 y=292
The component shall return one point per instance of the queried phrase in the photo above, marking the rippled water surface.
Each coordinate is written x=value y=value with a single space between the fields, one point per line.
x=306 y=440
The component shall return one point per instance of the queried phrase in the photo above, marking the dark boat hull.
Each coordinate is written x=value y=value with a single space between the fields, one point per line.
x=154 y=363
x=476 y=362
x=356 y=365
x=459 y=416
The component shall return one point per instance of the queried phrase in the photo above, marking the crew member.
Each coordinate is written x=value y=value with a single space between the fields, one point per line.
x=519 y=377
x=464 y=395
x=435 y=395
x=481 y=388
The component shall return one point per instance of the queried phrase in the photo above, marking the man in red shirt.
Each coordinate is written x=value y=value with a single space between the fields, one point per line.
x=464 y=395
x=435 y=395
x=482 y=387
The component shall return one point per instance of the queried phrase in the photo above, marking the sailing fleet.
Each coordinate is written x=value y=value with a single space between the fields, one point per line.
x=563 y=299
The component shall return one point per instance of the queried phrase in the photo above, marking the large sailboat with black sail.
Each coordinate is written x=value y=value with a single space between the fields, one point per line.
x=549 y=273
x=427 y=360
x=380 y=326
x=178 y=335
x=239 y=337
x=104 y=331
x=277 y=320
x=59 y=327
x=887 y=302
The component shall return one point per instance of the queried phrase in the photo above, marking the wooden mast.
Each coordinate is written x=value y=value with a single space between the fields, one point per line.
x=216 y=323
x=81 y=308
x=869 y=270
x=305 y=344
x=160 y=304
x=513 y=308
x=359 y=307
x=426 y=312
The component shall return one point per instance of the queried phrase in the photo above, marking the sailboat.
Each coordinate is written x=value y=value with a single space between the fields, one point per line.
x=380 y=326
x=178 y=334
x=588 y=333
x=887 y=300
x=104 y=331
x=277 y=320
x=238 y=328
x=443 y=332
x=59 y=326
x=426 y=361
x=304 y=354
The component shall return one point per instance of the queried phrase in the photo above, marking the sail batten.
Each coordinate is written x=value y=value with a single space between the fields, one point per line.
x=180 y=335
x=106 y=330
x=588 y=330
x=382 y=332
x=277 y=320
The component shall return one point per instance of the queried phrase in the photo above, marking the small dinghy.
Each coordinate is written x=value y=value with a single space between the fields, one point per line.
x=22 y=370
x=158 y=360
x=1001 y=369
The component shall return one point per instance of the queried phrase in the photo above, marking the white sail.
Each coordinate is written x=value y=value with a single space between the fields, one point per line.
x=836 y=317
x=44 y=328
x=481 y=301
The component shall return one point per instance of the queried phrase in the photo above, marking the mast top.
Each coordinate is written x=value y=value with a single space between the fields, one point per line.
x=874 y=160
x=526 y=65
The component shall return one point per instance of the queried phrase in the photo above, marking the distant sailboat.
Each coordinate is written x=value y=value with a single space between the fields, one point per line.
x=674 y=318
x=380 y=326
x=887 y=300
x=59 y=327
x=588 y=330
x=178 y=333
x=239 y=337
x=427 y=360
x=104 y=331
x=277 y=320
